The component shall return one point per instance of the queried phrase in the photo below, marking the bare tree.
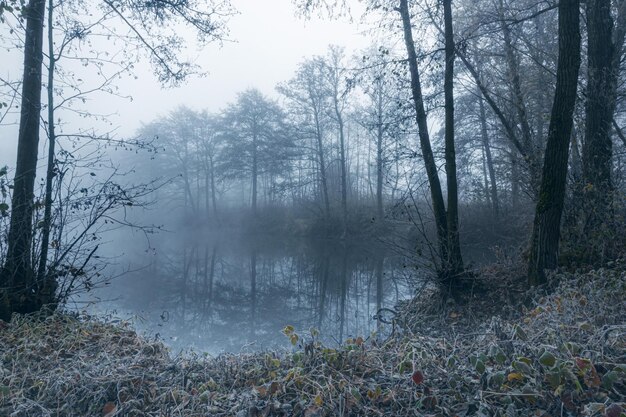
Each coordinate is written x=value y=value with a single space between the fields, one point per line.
x=22 y=291
x=336 y=79
x=308 y=99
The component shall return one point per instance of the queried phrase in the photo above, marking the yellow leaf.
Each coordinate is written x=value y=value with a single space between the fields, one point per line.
x=318 y=400
x=515 y=376
x=374 y=394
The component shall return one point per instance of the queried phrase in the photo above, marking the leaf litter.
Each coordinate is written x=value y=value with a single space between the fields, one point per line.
x=564 y=355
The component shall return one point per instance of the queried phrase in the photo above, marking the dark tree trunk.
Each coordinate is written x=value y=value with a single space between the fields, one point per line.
x=597 y=149
x=455 y=260
x=547 y=225
x=18 y=276
x=46 y=281
x=422 y=123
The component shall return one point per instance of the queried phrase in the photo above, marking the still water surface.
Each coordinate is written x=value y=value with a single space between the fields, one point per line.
x=230 y=296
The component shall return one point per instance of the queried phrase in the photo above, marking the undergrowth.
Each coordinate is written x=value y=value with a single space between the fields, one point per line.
x=564 y=356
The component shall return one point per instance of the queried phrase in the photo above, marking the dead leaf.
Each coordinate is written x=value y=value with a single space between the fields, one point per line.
x=261 y=390
x=275 y=386
x=313 y=411
x=417 y=377
x=515 y=376
x=109 y=409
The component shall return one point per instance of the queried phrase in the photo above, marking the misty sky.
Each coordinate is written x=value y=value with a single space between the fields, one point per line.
x=268 y=44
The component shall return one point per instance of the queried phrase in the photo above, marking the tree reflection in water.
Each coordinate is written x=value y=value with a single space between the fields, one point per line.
x=225 y=297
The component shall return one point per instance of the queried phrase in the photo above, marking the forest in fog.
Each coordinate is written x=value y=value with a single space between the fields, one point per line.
x=460 y=122
x=312 y=208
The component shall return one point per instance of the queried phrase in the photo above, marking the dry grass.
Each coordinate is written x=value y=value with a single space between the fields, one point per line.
x=565 y=356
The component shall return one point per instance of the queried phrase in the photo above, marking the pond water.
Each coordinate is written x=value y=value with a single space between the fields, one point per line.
x=215 y=295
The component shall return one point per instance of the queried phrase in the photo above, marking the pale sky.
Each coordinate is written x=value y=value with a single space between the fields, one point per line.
x=269 y=42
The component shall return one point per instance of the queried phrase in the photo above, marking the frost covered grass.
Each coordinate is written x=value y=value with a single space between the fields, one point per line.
x=565 y=355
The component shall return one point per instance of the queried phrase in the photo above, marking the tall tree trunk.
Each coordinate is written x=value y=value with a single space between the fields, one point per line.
x=422 y=123
x=489 y=159
x=455 y=260
x=255 y=166
x=47 y=282
x=598 y=148
x=547 y=225
x=17 y=276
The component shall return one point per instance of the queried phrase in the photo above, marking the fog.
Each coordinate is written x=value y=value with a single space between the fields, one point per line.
x=263 y=47
x=221 y=171
x=312 y=207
